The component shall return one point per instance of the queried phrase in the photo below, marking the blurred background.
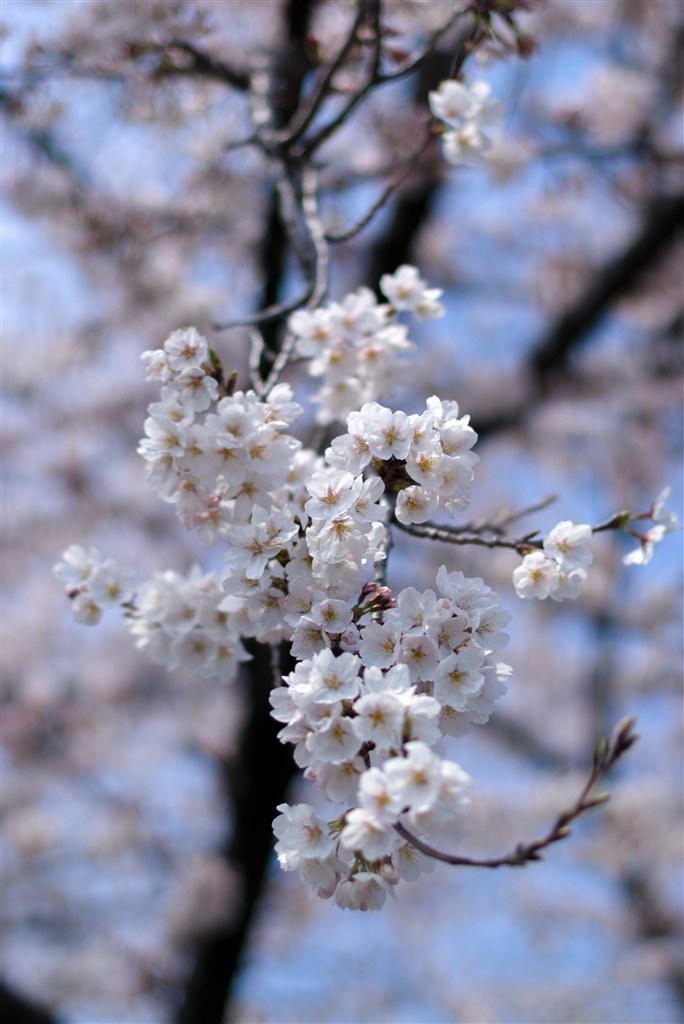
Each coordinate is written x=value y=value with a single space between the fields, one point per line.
x=128 y=211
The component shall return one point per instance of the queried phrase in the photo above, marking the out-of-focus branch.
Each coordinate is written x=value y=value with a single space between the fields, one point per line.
x=386 y=194
x=375 y=78
x=519 y=738
x=654 y=921
x=200 y=64
x=17 y=1009
x=663 y=222
x=662 y=225
x=44 y=142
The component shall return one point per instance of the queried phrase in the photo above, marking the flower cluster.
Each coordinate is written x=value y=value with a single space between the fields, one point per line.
x=380 y=680
x=356 y=345
x=213 y=456
x=91 y=583
x=467 y=111
x=425 y=458
x=179 y=622
x=367 y=724
x=559 y=570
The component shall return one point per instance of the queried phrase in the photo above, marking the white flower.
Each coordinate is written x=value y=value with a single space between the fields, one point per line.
x=406 y=290
x=452 y=797
x=78 y=565
x=396 y=680
x=337 y=781
x=488 y=630
x=458 y=677
x=468 y=594
x=334 y=616
x=193 y=650
x=464 y=145
x=164 y=436
x=331 y=494
x=334 y=678
x=425 y=467
x=566 y=584
x=567 y=544
x=365 y=832
x=415 y=779
x=534 y=578
x=280 y=409
x=300 y=833
x=365 y=495
x=415 y=505
x=186 y=347
x=158 y=366
x=421 y=655
x=86 y=611
x=388 y=433
x=362 y=891
x=660 y=515
x=315 y=330
x=110 y=584
x=414 y=610
x=448 y=628
x=665 y=522
x=335 y=741
x=410 y=863
x=337 y=539
x=309 y=638
x=453 y=101
x=466 y=110
x=647 y=542
x=380 y=717
x=349 y=451
x=421 y=714
x=379 y=645
x=196 y=390
x=377 y=797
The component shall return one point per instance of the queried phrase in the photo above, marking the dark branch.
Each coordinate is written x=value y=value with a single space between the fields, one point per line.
x=202 y=65
x=606 y=754
x=662 y=225
x=17 y=1009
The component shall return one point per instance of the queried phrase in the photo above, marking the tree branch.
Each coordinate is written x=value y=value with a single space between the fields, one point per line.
x=202 y=65
x=17 y=1009
x=663 y=222
x=605 y=756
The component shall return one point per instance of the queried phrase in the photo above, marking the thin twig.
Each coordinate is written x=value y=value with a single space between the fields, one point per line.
x=207 y=66
x=360 y=224
x=376 y=78
x=279 y=309
x=606 y=754
x=452 y=535
x=471 y=533
x=514 y=516
x=413 y=65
